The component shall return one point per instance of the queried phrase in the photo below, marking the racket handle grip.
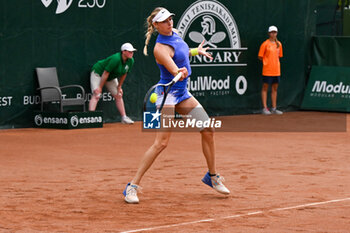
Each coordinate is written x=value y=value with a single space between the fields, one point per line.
x=177 y=77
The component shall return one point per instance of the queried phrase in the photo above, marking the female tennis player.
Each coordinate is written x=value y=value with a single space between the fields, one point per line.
x=270 y=53
x=172 y=56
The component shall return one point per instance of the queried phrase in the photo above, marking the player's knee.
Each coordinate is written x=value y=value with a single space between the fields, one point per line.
x=160 y=145
x=208 y=133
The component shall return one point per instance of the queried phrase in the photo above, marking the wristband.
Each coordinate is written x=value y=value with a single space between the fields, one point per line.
x=194 y=52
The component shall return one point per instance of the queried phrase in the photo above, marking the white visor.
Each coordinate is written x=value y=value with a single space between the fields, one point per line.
x=162 y=15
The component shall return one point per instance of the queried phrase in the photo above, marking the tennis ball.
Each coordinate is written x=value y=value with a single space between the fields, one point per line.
x=153 y=98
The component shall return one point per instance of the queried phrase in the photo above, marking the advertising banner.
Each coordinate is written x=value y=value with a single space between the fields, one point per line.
x=328 y=89
x=68 y=120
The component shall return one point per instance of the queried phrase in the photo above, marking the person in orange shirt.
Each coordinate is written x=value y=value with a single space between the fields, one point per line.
x=270 y=53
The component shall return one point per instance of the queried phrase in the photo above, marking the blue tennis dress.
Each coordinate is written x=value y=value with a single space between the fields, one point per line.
x=179 y=91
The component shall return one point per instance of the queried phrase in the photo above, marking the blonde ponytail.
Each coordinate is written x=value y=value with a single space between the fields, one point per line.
x=150 y=28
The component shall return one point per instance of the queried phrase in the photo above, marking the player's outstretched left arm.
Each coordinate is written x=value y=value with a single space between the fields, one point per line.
x=201 y=51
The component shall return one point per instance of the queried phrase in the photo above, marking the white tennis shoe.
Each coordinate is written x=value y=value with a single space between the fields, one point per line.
x=266 y=111
x=130 y=193
x=216 y=183
x=276 y=111
x=127 y=120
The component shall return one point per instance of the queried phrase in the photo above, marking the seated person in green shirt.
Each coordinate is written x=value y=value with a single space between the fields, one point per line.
x=106 y=72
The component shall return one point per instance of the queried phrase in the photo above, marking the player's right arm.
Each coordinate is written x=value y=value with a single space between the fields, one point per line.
x=163 y=54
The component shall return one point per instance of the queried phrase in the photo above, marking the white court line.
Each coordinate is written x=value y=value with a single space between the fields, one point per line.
x=238 y=215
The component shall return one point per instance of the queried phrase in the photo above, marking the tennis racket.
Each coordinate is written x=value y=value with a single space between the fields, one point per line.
x=149 y=105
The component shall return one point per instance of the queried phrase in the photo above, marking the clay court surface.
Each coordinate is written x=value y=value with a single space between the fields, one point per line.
x=72 y=180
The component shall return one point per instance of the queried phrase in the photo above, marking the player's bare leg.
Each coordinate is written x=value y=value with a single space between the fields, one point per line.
x=208 y=148
x=208 y=145
x=160 y=143
x=192 y=107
